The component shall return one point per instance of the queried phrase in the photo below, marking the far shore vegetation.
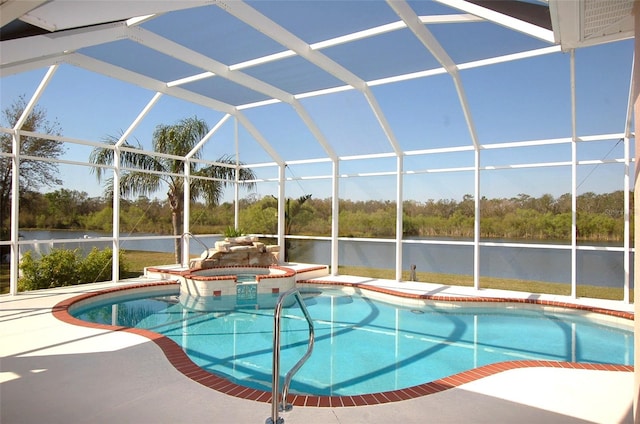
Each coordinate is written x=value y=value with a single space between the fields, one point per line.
x=600 y=217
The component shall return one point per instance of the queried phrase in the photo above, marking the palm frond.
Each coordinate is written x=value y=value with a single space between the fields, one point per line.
x=141 y=160
x=102 y=156
x=228 y=173
x=181 y=138
x=211 y=190
x=139 y=184
x=128 y=158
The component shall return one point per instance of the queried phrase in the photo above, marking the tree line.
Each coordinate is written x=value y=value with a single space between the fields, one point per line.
x=599 y=217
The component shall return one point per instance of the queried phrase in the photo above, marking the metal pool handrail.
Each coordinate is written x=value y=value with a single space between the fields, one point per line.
x=282 y=405
x=206 y=248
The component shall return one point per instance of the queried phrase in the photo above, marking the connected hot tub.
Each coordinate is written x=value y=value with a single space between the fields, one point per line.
x=209 y=288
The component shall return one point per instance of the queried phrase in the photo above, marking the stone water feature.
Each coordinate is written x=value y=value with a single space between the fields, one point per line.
x=238 y=251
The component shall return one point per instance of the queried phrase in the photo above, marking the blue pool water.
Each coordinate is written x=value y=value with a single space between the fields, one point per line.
x=367 y=346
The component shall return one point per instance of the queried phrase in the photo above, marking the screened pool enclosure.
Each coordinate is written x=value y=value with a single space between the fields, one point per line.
x=509 y=113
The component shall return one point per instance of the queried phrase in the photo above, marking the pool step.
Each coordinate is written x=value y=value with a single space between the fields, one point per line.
x=163 y=272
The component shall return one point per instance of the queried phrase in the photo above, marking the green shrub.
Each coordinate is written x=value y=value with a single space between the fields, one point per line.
x=56 y=269
x=97 y=265
x=64 y=267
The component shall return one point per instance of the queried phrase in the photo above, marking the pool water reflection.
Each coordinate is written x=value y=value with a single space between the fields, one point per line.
x=365 y=345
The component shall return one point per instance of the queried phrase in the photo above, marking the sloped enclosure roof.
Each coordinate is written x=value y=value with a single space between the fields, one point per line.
x=363 y=100
x=340 y=78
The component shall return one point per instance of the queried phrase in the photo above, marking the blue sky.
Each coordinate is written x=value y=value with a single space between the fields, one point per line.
x=514 y=101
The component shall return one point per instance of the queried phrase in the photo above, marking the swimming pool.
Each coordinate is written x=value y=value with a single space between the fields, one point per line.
x=366 y=345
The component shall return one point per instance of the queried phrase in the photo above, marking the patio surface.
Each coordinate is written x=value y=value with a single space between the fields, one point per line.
x=54 y=372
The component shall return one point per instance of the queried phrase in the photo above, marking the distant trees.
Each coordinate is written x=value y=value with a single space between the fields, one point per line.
x=600 y=216
x=259 y=216
x=142 y=215
x=522 y=217
x=61 y=209
x=34 y=174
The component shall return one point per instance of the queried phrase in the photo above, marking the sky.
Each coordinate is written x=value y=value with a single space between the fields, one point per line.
x=515 y=101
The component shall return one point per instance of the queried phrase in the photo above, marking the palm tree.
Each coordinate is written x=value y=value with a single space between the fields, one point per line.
x=290 y=212
x=177 y=141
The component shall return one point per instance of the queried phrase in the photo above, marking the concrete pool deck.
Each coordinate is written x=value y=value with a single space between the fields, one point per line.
x=54 y=372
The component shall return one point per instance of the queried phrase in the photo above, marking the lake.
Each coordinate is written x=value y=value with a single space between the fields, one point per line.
x=594 y=267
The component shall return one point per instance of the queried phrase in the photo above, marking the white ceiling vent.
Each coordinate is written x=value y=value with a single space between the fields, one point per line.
x=589 y=22
x=604 y=18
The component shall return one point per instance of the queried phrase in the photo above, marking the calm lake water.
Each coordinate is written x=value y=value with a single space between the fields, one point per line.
x=596 y=268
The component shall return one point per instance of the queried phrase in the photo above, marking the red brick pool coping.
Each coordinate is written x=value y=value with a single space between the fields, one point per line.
x=179 y=359
x=195 y=274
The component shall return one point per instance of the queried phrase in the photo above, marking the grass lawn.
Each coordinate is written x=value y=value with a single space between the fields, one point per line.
x=137 y=260
x=492 y=283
